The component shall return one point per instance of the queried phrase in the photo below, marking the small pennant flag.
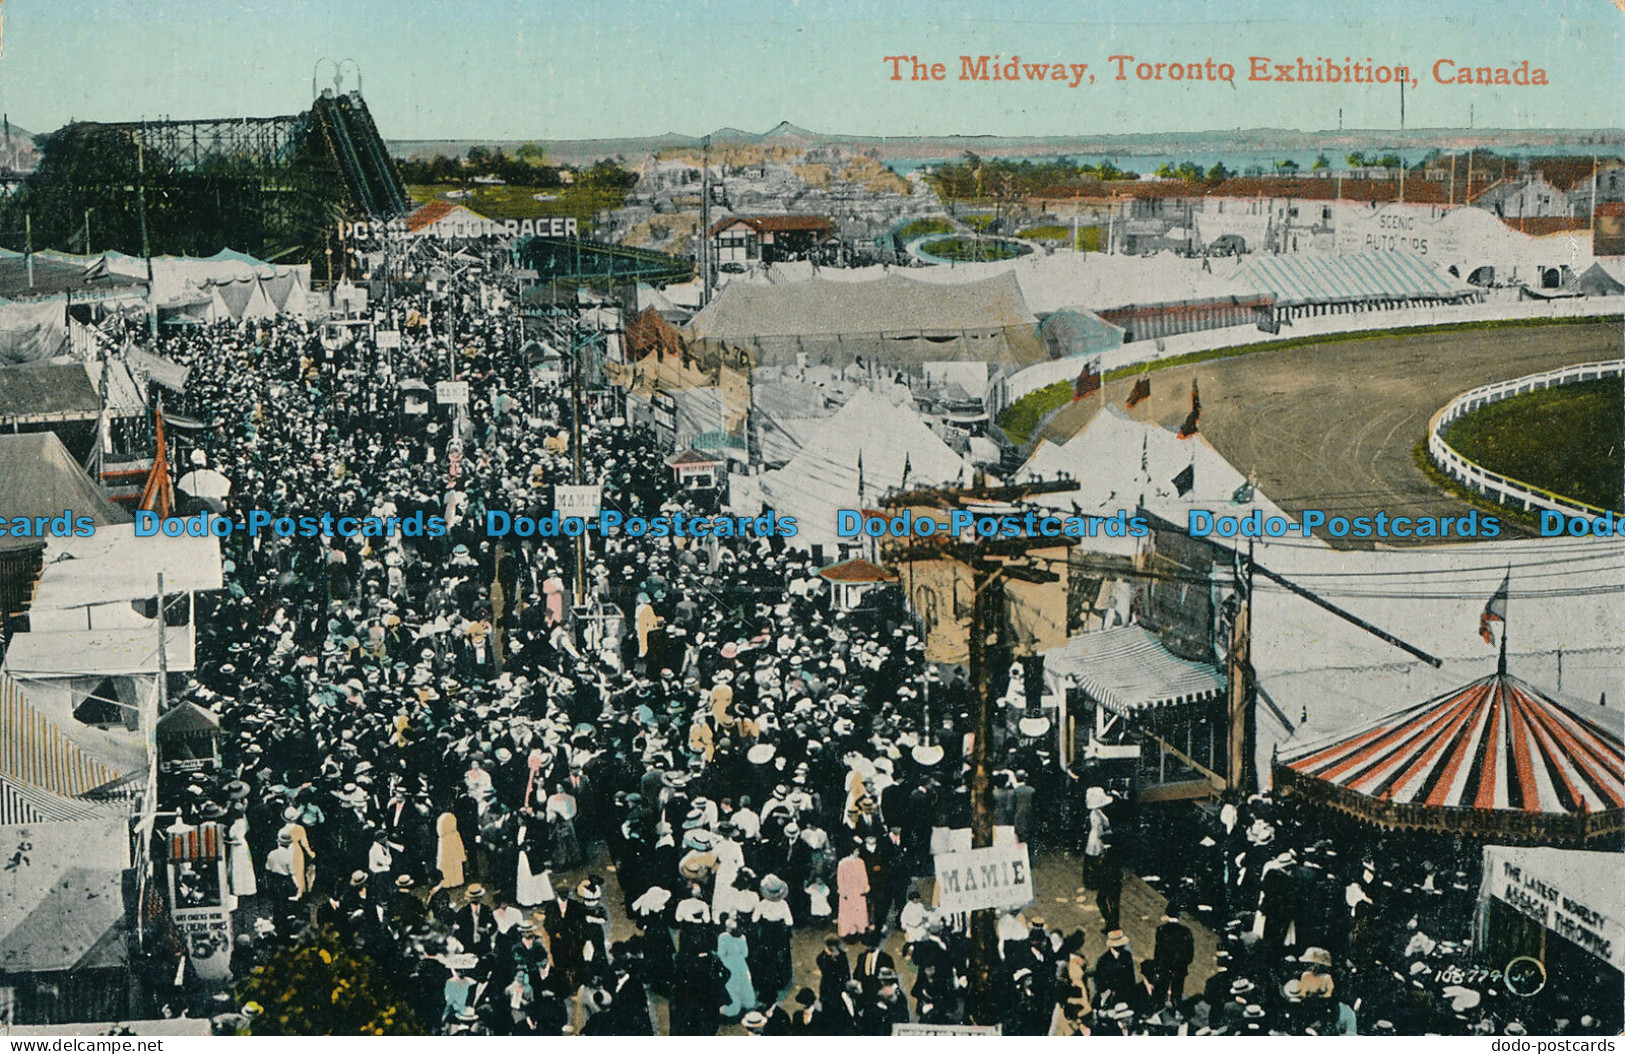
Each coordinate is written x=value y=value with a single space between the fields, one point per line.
x=1087 y=384
x=1495 y=610
x=1141 y=392
x=1186 y=479
x=907 y=466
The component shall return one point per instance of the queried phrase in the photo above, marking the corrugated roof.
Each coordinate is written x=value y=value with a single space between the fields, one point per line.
x=42 y=388
x=1300 y=279
x=1128 y=670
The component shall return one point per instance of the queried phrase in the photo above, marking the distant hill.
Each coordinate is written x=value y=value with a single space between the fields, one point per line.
x=1192 y=144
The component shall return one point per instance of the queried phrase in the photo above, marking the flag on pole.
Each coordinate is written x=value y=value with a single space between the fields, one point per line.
x=1244 y=493
x=1495 y=610
x=1188 y=429
x=1141 y=392
x=1087 y=384
x=1186 y=480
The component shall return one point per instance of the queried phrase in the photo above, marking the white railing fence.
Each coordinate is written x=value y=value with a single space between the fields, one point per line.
x=1481 y=480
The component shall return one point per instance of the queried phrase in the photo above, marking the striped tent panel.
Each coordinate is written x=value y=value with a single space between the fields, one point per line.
x=35 y=751
x=1495 y=744
x=22 y=804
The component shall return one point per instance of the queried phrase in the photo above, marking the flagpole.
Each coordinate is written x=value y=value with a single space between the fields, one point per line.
x=1501 y=663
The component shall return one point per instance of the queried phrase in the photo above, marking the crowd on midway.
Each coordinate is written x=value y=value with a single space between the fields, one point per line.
x=537 y=820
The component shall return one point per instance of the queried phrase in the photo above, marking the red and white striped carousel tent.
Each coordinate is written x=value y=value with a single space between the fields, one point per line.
x=1495 y=759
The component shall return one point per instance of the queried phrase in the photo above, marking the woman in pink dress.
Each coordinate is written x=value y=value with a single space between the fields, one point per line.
x=852 y=883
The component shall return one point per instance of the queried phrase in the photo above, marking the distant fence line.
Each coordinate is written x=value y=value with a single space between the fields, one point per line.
x=1504 y=489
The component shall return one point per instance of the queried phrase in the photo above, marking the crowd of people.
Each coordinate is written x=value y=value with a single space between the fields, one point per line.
x=616 y=816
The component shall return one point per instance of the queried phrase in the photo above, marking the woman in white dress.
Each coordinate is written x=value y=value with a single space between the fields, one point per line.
x=239 y=861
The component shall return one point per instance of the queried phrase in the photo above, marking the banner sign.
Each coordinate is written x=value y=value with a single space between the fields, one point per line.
x=1570 y=892
x=583 y=501
x=451 y=393
x=998 y=876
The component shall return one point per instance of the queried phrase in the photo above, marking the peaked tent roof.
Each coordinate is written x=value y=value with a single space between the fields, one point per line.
x=1494 y=758
x=824 y=475
x=38 y=477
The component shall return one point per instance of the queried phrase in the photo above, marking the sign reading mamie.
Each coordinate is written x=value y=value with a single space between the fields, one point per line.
x=451 y=393
x=998 y=876
x=577 y=501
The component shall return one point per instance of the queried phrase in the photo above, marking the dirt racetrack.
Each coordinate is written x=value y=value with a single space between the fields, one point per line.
x=1333 y=426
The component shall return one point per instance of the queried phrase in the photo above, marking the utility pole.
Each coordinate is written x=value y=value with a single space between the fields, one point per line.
x=575 y=457
x=146 y=244
x=989 y=563
x=705 y=223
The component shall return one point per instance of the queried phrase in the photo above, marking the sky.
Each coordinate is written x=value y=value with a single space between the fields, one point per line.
x=547 y=69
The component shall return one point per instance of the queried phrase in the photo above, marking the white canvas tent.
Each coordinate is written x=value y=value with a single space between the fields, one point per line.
x=825 y=475
x=1117 y=461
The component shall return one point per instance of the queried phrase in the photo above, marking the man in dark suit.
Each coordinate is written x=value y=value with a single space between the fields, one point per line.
x=833 y=972
x=476 y=924
x=867 y=970
x=1175 y=949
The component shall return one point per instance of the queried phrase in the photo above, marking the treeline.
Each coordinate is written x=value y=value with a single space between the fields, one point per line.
x=525 y=167
x=974 y=178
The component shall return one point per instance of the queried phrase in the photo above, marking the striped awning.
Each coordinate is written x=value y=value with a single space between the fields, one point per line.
x=1497 y=750
x=22 y=804
x=1128 y=670
x=34 y=751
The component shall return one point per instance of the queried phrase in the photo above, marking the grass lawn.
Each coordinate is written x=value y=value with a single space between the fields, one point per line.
x=1023 y=415
x=965 y=249
x=1567 y=440
x=920 y=228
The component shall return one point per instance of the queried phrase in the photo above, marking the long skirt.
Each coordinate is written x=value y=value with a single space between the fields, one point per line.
x=531 y=887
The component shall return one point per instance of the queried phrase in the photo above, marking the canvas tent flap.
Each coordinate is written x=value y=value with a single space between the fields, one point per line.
x=38 y=477
x=32 y=332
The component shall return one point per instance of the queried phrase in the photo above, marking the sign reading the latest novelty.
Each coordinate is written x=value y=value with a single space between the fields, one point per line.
x=998 y=876
x=1533 y=891
x=469 y=226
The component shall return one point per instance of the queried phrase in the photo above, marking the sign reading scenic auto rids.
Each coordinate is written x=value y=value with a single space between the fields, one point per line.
x=577 y=501
x=998 y=876
x=454 y=393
